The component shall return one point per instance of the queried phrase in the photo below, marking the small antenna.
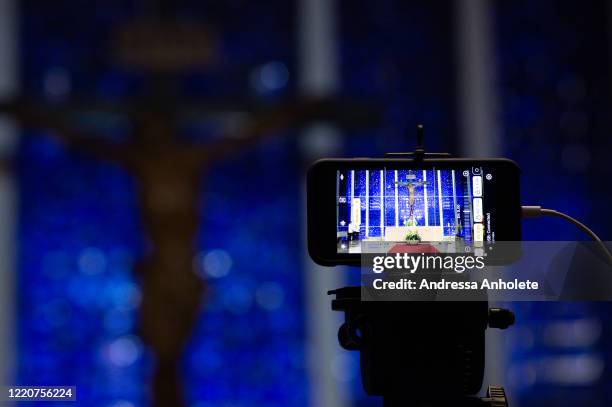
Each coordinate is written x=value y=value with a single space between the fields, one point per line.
x=419 y=136
x=419 y=153
x=419 y=150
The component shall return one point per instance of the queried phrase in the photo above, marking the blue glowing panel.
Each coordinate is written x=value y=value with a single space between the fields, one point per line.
x=433 y=210
x=419 y=204
x=375 y=208
x=390 y=197
x=446 y=190
x=402 y=194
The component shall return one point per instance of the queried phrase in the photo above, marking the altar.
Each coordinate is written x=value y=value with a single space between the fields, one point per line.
x=426 y=233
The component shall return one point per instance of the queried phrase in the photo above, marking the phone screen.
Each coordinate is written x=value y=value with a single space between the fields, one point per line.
x=416 y=205
x=447 y=205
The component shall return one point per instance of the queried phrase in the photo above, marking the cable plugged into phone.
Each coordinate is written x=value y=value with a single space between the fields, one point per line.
x=537 y=211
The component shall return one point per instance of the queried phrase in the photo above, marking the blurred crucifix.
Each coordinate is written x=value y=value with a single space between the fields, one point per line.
x=169 y=172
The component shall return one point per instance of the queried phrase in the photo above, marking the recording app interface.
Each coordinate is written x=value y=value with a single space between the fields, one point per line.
x=441 y=206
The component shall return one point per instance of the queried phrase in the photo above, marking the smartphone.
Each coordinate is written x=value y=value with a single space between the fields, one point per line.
x=447 y=205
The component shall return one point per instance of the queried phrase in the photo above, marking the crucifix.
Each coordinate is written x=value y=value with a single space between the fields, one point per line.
x=169 y=171
x=410 y=184
x=169 y=174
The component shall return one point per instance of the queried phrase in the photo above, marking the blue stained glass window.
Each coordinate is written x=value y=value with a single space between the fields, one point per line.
x=78 y=295
x=390 y=196
x=432 y=201
x=448 y=208
x=402 y=193
x=375 y=200
x=360 y=193
x=80 y=232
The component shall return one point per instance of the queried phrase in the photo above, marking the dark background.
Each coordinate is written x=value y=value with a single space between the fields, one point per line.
x=79 y=226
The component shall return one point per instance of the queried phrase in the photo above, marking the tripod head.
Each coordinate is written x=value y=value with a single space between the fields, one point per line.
x=420 y=353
